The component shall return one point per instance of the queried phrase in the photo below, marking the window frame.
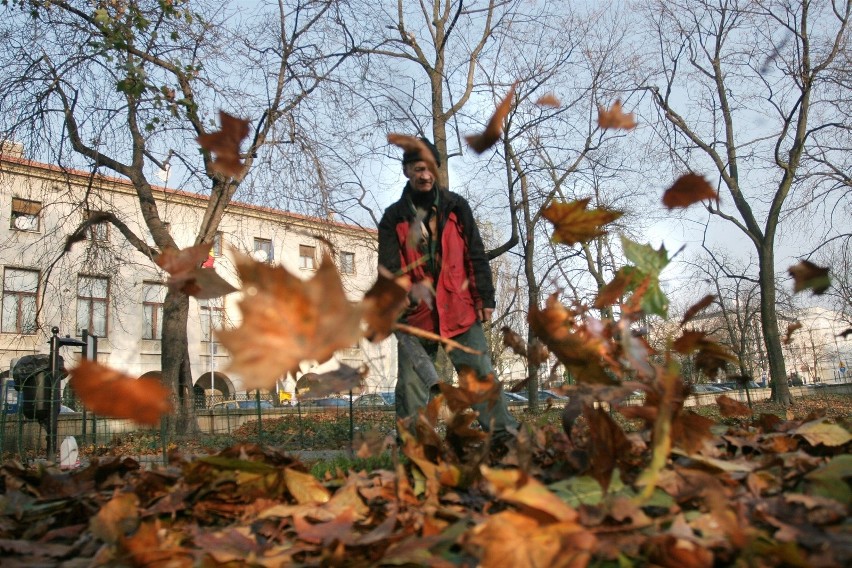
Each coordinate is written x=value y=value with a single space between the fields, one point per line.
x=19 y=303
x=156 y=324
x=25 y=207
x=346 y=254
x=265 y=245
x=92 y=301
x=216 y=245
x=218 y=315
x=307 y=252
x=93 y=231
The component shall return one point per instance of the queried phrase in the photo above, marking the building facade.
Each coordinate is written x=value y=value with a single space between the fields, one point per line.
x=107 y=287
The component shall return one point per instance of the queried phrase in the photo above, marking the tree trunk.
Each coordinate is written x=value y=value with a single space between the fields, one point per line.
x=769 y=324
x=177 y=373
x=533 y=292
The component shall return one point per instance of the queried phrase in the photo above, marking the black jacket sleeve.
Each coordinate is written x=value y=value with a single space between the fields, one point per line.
x=476 y=253
x=389 y=256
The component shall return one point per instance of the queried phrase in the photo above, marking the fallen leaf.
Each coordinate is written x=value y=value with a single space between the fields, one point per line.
x=471 y=390
x=688 y=189
x=488 y=137
x=287 y=320
x=414 y=144
x=517 y=487
x=117 y=518
x=573 y=223
x=383 y=304
x=796 y=325
x=305 y=488
x=548 y=100
x=731 y=408
x=806 y=275
x=821 y=432
x=615 y=118
x=696 y=308
x=108 y=392
x=672 y=552
x=225 y=145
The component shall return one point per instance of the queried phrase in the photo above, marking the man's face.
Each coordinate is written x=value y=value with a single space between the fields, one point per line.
x=419 y=176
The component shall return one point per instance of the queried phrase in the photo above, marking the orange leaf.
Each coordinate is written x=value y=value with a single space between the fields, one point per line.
x=107 y=392
x=483 y=141
x=573 y=223
x=414 y=144
x=549 y=100
x=615 y=118
x=383 y=303
x=344 y=378
x=806 y=275
x=471 y=390
x=514 y=341
x=180 y=263
x=790 y=329
x=731 y=408
x=688 y=189
x=689 y=341
x=225 y=144
x=287 y=320
x=610 y=293
x=697 y=307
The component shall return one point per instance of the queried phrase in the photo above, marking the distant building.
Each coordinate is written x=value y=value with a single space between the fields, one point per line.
x=104 y=285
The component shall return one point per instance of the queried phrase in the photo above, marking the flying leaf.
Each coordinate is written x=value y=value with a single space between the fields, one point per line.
x=649 y=262
x=806 y=275
x=615 y=118
x=344 y=378
x=548 y=100
x=731 y=408
x=514 y=341
x=287 y=320
x=796 y=325
x=471 y=390
x=187 y=275
x=696 y=308
x=611 y=292
x=414 y=144
x=383 y=303
x=107 y=392
x=481 y=142
x=845 y=333
x=225 y=144
x=688 y=189
x=573 y=223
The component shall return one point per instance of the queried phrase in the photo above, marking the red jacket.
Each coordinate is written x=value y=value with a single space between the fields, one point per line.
x=463 y=283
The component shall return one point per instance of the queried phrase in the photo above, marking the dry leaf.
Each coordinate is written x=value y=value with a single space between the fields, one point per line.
x=471 y=390
x=731 y=408
x=109 y=393
x=383 y=304
x=287 y=320
x=483 y=141
x=806 y=275
x=697 y=307
x=225 y=144
x=514 y=341
x=573 y=223
x=790 y=329
x=845 y=333
x=688 y=189
x=615 y=118
x=414 y=144
x=117 y=518
x=548 y=100
x=187 y=275
x=342 y=379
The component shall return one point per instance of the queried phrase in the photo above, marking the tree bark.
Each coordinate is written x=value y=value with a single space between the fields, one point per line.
x=177 y=373
x=780 y=392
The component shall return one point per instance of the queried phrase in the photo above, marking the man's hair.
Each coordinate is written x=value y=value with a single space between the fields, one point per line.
x=411 y=157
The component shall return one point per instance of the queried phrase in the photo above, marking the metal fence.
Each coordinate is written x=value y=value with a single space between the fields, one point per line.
x=335 y=422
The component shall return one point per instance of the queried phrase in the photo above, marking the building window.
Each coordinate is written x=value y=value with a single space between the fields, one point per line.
x=153 y=296
x=347 y=262
x=263 y=250
x=26 y=214
x=216 y=248
x=98 y=231
x=20 y=288
x=92 y=304
x=212 y=318
x=307 y=257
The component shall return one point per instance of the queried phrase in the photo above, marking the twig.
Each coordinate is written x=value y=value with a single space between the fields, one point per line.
x=422 y=333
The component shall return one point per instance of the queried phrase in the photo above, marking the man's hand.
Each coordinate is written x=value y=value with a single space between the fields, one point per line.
x=485 y=314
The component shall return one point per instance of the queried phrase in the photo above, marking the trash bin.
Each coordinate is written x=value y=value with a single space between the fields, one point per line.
x=39 y=390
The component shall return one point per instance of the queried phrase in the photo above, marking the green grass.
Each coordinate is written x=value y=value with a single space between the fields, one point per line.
x=330 y=467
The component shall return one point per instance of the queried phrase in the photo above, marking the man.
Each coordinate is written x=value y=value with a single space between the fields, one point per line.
x=430 y=234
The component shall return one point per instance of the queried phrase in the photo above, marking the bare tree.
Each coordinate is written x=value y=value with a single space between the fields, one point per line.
x=760 y=78
x=126 y=87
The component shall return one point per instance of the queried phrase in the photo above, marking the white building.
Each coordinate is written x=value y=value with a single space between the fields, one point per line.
x=106 y=286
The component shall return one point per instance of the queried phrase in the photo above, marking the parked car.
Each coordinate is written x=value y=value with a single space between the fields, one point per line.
x=242 y=405
x=514 y=399
x=544 y=395
x=706 y=389
x=328 y=402
x=380 y=399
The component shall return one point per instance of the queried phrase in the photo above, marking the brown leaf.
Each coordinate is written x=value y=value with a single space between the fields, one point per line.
x=342 y=379
x=414 y=144
x=731 y=408
x=689 y=341
x=117 y=518
x=615 y=118
x=225 y=144
x=305 y=488
x=514 y=341
x=471 y=390
x=383 y=303
x=538 y=353
x=796 y=325
x=517 y=487
x=608 y=444
x=180 y=263
x=206 y=284
x=669 y=551
x=287 y=320
x=107 y=392
x=548 y=100
x=806 y=275
x=845 y=333
x=696 y=308
x=610 y=293
x=483 y=141
x=573 y=223
x=688 y=189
